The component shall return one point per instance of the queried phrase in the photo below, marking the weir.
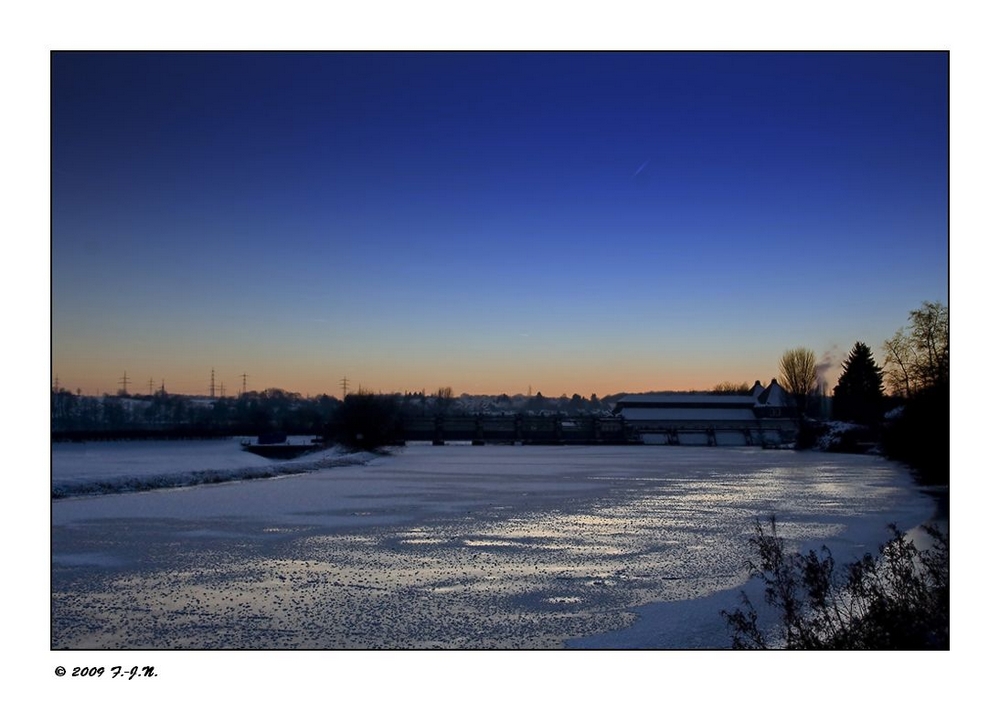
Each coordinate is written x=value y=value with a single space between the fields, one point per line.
x=588 y=430
x=514 y=429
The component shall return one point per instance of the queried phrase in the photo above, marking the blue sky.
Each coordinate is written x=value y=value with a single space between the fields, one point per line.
x=576 y=222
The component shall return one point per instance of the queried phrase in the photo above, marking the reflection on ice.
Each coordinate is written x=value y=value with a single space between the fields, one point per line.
x=476 y=547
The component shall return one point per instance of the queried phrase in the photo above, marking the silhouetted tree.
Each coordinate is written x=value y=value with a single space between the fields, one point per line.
x=918 y=366
x=64 y=405
x=899 y=362
x=917 y=357
x=444 y=399
x=858 y=395
x=114 y=412
x=798 y=374
x=929 y=326
x=537 y=404
x=728 y=387
x=920 y=435
x=369 y=421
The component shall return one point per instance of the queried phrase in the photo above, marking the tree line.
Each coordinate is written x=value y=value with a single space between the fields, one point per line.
x=250 y=413
x=903 y=403
x=277 y=410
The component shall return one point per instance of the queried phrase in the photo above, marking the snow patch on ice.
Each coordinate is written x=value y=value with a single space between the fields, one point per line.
x=173 y=480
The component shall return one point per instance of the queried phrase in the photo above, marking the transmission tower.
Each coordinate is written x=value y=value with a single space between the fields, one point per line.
x=211 y=387
x=124 y=382
x=344 y=385
x=244 y=384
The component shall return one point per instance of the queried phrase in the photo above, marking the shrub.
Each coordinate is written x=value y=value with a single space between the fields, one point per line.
x=920 y=437
x=369 y=421
x=896 y=601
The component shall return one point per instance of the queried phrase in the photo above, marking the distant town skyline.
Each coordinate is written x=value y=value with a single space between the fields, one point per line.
x=128 y=385
x=576 y=222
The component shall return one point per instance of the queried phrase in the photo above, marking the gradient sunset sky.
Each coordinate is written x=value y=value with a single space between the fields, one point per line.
x=572 y=222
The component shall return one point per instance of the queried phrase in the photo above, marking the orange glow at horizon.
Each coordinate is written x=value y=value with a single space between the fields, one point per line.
x=551 y=382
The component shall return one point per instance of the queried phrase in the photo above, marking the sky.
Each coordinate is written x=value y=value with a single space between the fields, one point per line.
x=568 y=222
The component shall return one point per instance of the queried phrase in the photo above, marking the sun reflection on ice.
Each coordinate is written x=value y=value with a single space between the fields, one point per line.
x=515 y=569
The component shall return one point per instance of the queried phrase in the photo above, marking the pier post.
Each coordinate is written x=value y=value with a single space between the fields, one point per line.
x=479 y=438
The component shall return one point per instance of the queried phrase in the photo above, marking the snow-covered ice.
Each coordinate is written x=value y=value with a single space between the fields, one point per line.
x=445 y=547
x=80 y=469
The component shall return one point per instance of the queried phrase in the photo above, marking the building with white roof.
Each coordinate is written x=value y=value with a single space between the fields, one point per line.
x=766 y=416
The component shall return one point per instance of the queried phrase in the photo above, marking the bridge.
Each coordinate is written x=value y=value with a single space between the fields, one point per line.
x=518 y=428
x=594 y=430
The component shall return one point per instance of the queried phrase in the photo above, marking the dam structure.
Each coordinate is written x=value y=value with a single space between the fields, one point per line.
x=765 y=417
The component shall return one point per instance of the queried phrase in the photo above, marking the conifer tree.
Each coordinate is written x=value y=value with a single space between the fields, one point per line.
x=858 y=395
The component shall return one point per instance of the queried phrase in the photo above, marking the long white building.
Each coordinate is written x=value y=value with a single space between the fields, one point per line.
x=766 y=417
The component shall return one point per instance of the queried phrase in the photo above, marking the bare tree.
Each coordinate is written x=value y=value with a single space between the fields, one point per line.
x=798 y=373
x=444 y=398
x=899 y=360
x=917 y=357
x=929 y=326
x=729 y=387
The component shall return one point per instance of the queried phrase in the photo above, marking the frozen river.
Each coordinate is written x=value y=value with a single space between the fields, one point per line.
x=443 y=547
